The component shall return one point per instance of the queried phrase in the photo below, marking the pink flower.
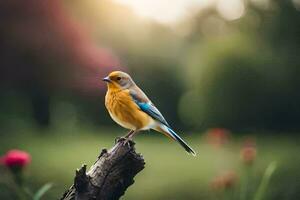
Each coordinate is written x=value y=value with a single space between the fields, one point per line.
x=15 y=159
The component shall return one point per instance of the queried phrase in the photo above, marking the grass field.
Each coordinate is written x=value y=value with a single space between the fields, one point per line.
x=170 y=173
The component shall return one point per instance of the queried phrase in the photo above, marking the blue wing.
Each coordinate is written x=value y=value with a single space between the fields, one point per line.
x=146 y=106
x=149 y=108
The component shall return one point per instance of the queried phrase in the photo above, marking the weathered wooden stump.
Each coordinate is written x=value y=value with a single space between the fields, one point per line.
x=110 y=176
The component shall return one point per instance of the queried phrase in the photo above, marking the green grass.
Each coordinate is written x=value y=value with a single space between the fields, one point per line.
x=169 y=174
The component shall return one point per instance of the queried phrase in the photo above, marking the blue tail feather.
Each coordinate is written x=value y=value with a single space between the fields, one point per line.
x=181 y=141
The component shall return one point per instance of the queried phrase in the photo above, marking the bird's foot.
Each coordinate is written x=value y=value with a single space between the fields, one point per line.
x=125 y=141
x=128 y=141
x=117 y=139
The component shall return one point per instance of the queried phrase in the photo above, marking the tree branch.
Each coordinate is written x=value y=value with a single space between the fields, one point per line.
x=110 y=176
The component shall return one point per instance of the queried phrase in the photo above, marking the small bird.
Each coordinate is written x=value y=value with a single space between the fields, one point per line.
x=128 y=106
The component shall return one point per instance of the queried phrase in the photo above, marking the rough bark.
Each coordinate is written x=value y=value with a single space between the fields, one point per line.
x=109 y=177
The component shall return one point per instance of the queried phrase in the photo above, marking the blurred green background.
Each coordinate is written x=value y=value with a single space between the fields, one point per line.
x=206 y=64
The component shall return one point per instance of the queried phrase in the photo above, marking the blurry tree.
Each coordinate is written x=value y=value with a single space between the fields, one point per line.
x=45 y=52
x=245 y=72
x=239 y=74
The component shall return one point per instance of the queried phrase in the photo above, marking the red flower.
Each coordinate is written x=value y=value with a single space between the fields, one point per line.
x=217 y=137
x=15 y=159
x=248 y=151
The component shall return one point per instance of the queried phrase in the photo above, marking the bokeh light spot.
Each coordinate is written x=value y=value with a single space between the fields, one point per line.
x=231 y=9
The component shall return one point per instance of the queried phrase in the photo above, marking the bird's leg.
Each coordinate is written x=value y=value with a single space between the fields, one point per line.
x=129 y=133
x=129 y=136
x=132 y=134
x=124 y=138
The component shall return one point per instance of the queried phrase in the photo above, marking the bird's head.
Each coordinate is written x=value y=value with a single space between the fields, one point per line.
x=118 y=80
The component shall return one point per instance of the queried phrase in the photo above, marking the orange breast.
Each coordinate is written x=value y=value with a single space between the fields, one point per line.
x=125 y=112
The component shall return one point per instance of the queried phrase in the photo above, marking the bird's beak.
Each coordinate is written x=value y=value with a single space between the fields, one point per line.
x=106 y=79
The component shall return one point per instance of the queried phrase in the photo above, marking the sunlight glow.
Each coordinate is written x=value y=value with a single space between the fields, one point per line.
x=231 y=9
x=165 y=11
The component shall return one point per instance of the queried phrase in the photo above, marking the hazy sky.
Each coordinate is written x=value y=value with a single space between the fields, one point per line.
x=169 y=11
x=166 y=11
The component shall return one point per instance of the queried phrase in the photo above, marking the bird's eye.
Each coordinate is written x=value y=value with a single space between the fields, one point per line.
x=119 y=78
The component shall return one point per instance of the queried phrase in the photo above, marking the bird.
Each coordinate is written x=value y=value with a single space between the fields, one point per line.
x=129 y=107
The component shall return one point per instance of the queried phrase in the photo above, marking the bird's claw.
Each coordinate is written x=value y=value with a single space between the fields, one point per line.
x=128 y=141
x=124 y=141
x=117 y=139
